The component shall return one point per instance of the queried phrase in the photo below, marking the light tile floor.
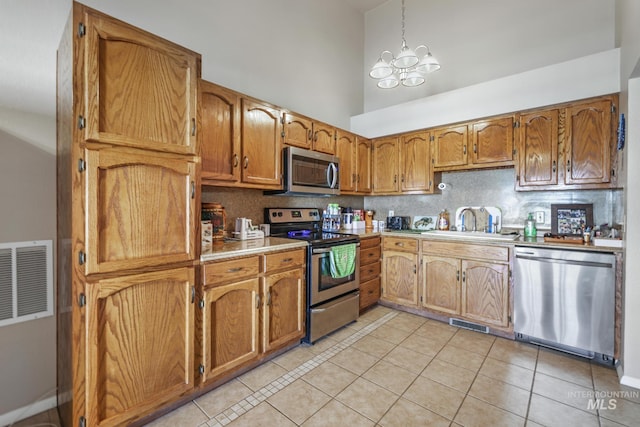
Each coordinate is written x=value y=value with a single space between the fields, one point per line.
x=392 y=368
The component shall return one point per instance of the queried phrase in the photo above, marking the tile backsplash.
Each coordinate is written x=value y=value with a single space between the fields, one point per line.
x=467 y=188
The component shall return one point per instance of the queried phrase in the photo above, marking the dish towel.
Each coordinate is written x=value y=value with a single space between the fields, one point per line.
x=342 y=260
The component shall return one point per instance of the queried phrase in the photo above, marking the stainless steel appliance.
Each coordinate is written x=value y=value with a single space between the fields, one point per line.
x=308 y=172
x=332 y=302
x=565 y=299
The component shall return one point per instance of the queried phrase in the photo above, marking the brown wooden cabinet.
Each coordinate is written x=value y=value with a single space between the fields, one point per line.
x=569 y=146
x=140 y=90
x=230 y=308
x=386 y=161
x=139 y=349
x=370 y=251
x=220 y=133
x=346 y=145
x=303 y=132
x=283 y=292
x=363 y=165
x=261 y=144
x=470 y=281
x=127 y=209
x=450 y=147
x=415 y=163
x=400 y=270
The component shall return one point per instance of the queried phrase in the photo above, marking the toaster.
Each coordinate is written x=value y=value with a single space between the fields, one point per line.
x=398 y=223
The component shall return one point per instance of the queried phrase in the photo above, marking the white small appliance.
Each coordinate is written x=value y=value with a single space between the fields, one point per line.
x=246 y=231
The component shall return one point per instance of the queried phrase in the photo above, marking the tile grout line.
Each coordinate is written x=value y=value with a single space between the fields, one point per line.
x=254 y=399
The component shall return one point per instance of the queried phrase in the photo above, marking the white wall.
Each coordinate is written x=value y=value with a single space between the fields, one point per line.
x=477 y=41
x=629 y=39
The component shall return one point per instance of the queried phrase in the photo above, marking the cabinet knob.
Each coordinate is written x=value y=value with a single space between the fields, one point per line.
x=235 y=160
x=568 y=165
x=246 y=162
x=553 y=166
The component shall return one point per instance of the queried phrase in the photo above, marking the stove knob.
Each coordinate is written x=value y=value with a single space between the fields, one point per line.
x=273 y=214
x=279 y=213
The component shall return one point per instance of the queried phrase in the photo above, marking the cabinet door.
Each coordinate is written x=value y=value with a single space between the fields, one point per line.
x=441 y=284
x=141 y=90
x=538 y=153
x=493 y=141
x=261 y=144
x=450 y=147
x=363 y=166
x=220 y=133
x=140 y=344
x=386 y=161
x=230 y=327
x=415 y=162
x=284 y=303
x=346 y=152
x=400 y=277
x=324 y=138
x=588 y=143
x=485 y=292
x=298 y=131
x=140 y=211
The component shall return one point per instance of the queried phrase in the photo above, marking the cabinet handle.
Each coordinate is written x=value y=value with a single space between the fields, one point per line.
x=309 y=135
x=193 y=294
x=235 y=160
x=315 y=137
x=286 y=260
x=475 y=149
x=553 y=166
x=246 y=162
x=395 y=179
x=457 y=275
x=234 y=270
x=464 y=149
x=358 y=181
x=193 y=189
x=193 y=127
x=402 y=178
x=269 y=298
x=401 y=244
x=415 y=269
x=464 y=276
x=257 y=301
x=568 y=165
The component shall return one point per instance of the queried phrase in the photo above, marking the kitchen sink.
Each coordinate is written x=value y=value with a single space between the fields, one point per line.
x=475 y=235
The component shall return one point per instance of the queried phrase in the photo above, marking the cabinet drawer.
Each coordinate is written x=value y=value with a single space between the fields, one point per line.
x=368 y=272
x=369 y=242
x=279 y=260
x=218 y=273
x=370 y=255
x=466 y=250
x=369 y=293
x=400 y=244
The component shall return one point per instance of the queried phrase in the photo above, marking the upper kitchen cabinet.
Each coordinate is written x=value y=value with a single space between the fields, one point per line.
x=386 y=161
x=415 y=164
x=363 y=165
x=139 y=89
x=346 y=145
x=568 y=146
x=303 y=132
x=261 y=145
x=474 y=145
x=220 y=111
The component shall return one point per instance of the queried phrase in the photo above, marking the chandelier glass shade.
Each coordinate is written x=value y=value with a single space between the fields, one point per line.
x=407 y=68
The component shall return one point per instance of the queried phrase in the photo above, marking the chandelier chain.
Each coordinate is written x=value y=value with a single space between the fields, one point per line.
x=403 y=39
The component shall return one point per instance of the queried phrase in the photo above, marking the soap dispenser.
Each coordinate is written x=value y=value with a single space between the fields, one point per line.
x=530 y=226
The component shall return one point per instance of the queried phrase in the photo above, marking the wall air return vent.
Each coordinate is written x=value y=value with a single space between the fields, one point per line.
x=26 y=281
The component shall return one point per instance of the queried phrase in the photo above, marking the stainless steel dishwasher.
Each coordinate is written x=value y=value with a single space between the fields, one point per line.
x=565 y=299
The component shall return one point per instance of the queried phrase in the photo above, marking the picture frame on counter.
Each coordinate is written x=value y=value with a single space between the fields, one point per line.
x=571 y=219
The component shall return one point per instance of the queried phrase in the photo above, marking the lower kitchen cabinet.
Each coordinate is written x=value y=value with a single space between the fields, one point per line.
x=369 y=271
x=140 y=344
x=472 y=282
x=250 y=306
x=400 y=270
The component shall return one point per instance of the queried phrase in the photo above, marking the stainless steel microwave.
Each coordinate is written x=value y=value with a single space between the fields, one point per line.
x=307 y=172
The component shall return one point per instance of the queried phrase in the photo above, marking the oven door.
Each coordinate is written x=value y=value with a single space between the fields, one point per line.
x=322 y=285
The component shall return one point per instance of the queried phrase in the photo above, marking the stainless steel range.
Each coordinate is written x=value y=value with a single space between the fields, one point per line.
x=333 y=277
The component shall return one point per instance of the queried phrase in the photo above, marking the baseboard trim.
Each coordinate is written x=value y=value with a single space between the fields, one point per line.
x=630 y=381
x=27 y=411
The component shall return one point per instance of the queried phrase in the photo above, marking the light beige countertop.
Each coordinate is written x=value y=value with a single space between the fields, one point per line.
x=234 y=248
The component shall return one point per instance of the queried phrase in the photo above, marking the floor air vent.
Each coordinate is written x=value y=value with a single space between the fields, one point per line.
x=469 y=325
x=26 y=281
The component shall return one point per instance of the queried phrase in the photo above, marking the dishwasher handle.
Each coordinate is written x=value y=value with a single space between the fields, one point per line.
x=565 y=261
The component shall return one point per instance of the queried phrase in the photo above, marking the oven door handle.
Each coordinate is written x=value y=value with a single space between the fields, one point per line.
x=321 y=250
x=332 y=175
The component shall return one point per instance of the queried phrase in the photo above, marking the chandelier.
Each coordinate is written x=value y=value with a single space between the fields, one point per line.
x=407 y=68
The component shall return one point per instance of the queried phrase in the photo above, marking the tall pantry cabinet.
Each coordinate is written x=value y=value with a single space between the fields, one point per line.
x=127 y=176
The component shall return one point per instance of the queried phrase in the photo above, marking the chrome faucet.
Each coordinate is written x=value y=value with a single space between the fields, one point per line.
x=462 y=212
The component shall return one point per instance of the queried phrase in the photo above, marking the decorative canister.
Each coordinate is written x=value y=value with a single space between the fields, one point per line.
x=216 y=214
